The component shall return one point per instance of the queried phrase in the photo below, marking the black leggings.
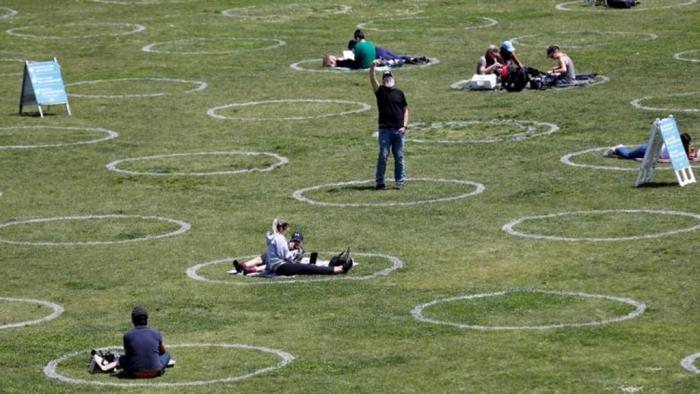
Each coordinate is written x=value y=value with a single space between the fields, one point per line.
x=289 y=269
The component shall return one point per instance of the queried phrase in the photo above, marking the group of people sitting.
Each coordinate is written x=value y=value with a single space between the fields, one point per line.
x=285 y=258
x=506 y=65
x=362 y=53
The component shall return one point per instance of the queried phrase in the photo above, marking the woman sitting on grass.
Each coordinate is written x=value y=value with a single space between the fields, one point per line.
x=257 y=263
x=491 y=62
x=632 y=153
x=564 y=73
x=279 y=259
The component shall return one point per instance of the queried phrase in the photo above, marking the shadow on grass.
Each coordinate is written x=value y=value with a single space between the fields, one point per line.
x=655 y=185
x=353 y=187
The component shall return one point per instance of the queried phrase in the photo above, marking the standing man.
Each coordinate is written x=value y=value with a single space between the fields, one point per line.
x=144 y=352
x=393 y=122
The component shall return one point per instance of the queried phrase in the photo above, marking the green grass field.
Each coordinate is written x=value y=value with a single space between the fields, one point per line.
x=355 y=333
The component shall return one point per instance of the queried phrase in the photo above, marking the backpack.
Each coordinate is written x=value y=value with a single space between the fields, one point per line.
x=340 y=259
x=622 y=3
x=516 y=80
x=102 y=361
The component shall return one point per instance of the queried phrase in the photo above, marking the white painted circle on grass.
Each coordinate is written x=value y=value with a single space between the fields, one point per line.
x=199 y=85
x=529 y=129
x=281 y=11
x=109 y=135
x=56 y=311
x=684 y=56
x=114 y=165
x=597 y=44
x=192 y=272
x=276 y=43
x=565 y=7
x=362 y=107
x=284 y=359
x=509 y=227
x=417 y=311
x=637 y=103
x=688 y=363
x=599 y=80
x=143 y=2
x=299 y=66
x=7 y=13
x=135 y=28
x=478 y=188
x=566 y=159
x=183 y=227
x=488 y=22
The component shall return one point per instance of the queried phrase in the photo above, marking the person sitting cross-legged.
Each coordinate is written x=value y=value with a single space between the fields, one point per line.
x=144 y=353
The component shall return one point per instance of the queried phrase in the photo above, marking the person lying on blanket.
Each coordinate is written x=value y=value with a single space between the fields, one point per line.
x=279 y=259
x=638 y=152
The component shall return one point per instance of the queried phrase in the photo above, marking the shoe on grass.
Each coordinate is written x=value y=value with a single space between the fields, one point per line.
x=347 y=266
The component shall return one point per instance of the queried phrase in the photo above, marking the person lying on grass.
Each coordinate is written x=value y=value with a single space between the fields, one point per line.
x=638 y=152
x=279 y=260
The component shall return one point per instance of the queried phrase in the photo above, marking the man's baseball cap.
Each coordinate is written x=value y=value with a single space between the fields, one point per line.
x=387 y=73
x=508 y=46
x=298 y=237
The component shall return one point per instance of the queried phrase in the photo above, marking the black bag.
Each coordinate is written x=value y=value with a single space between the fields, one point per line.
x=516 y=80
x=340 y=259
x=622 y=3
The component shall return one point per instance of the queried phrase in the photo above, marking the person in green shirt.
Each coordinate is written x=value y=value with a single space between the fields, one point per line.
x=364 y=50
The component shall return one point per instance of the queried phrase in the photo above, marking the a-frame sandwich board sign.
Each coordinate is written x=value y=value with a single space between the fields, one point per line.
x=665 y=131
x=42 y=84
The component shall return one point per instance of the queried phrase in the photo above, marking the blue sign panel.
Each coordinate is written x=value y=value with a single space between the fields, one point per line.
x=674 y=146
x=47 y=83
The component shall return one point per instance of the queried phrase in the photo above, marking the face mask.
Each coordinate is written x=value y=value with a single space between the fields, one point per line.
x=389 y=82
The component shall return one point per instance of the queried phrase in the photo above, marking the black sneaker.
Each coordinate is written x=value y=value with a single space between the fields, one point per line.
x=237 y=266
x=380 y=186
x=347 y=266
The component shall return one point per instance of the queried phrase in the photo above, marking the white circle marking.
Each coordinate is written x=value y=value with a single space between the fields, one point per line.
x=566 y=159
x=516 y=40
x=151 y=47
x=56 y=310
x=285 y=358
x=298 y=67
x=681 y=56
x=363 y=107
x=529 y=127
x=509 y=227
x=192 y=272
x=9 y=13
x=110 y=135
x=688 y=363
x=200 y=85
x=299 y=194
x=417 y=311
x=113 y=165
x=637 y=103
x=184 y=227
x=276 y=14
x=367 y=25
x=135 y=28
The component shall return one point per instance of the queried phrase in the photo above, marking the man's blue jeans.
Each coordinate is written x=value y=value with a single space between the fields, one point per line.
x=390 y=138
x=636 y=153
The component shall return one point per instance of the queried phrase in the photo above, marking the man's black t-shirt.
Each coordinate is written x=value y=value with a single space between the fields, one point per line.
x=390 y=104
